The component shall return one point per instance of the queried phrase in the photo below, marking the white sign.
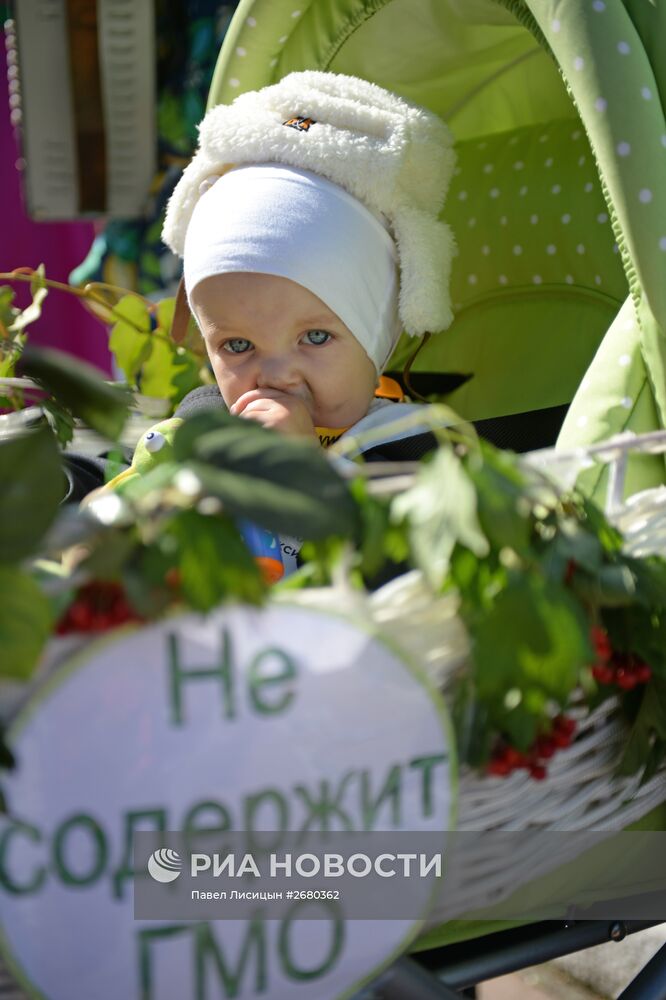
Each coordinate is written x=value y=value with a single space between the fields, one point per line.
x=245 y=719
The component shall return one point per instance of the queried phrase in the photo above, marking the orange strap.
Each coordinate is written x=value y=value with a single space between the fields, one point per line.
x=388 y=388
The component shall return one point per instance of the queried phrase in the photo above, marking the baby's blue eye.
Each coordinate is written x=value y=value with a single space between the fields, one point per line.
x=317 y=337
x=237 y=345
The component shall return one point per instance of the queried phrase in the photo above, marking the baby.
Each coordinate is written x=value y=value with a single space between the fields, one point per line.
x=308 y=226
x=293 y=283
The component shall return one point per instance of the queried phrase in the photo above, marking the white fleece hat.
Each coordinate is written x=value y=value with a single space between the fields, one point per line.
x=394 y=157
x=274 y=219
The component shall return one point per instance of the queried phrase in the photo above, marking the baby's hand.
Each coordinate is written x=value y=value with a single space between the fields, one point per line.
x=275 y=409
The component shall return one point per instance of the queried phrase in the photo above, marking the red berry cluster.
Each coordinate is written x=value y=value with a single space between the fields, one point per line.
x=507 y=759
x=624 y=670
x=98 y=606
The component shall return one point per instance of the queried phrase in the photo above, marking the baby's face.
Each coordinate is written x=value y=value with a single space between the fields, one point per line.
x=267 y=332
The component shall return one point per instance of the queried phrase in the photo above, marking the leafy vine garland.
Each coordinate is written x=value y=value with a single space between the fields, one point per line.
x=556 y=610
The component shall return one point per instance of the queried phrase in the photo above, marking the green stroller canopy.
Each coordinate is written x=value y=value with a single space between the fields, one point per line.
x=557 y=202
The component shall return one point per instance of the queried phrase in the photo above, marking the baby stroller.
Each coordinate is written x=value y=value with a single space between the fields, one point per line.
x=558 y=285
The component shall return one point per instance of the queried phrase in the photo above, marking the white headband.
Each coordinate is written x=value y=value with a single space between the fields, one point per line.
x=395 y=157
x=280 y=220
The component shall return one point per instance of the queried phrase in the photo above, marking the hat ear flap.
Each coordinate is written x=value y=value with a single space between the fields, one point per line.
x=426 y=247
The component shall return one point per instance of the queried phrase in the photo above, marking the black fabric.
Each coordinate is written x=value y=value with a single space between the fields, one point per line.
x=205 y=397
x=84 y=474
x=518 y=432
x=522 y=432
x=409 y=449
x=429 y=383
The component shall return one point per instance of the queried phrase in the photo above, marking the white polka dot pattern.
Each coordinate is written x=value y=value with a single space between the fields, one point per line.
x=477 y=209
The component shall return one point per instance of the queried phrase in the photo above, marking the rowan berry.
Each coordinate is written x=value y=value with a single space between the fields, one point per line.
x=498 y=767
x=603 y=673
x=545 y=747
x=565 y=724
x=642 y=673
x=625 y=678
x=601 y=642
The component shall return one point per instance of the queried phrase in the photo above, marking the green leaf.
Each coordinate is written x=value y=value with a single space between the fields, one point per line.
x=8 y=363
x=214 y=562
x=60 y=421
x=641 y=631
x=38 y=280
x=130 y=349
x=503 y=510
x=133 y=310
x=26 y=620
x=650 y=576
x=151 y=483
x=609 y=537
x=284 y=484
x=189 y=434
x=613 y=587
x=130 y=340
x=109 y=553
x=163 y=369
x=304 y=501
x=377 y=533
x=33 y=484
x=165 y=311
x=186 y=375
x=648 y=730
x=80 y=387
x=470 y=720
x=159 y=369
x=534 y=637
x=521 y=724
x=8 y=310
x=441 y=509
x=477 y=580
x=575 y=541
